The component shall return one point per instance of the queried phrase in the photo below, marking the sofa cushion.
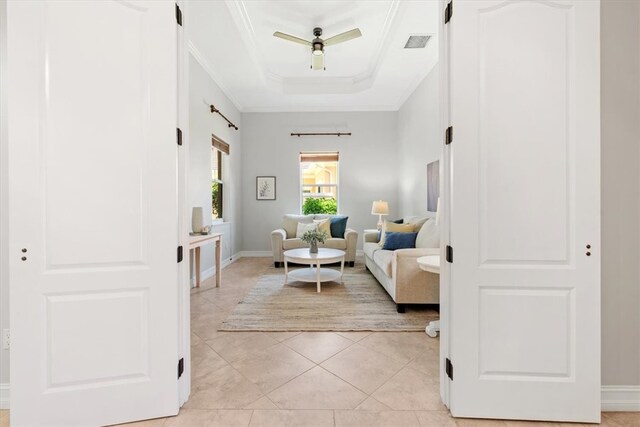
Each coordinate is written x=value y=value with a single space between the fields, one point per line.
x=294 y=243
x=330 y=243
x=394 y=241
x=383 y=258
x=338 y=226
x=334 y=243
x=370 y=248
x=290 y=223
x=429 y=235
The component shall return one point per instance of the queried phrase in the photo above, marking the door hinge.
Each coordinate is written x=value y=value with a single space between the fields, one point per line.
x=180 y=367
x=179 y=136
x=449 y=254
x=448 y=135
x=178 y=15
x=448 y=12
x=179 y=253
x=448 y=368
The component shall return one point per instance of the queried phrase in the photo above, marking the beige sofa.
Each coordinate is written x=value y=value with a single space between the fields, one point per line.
x=398 y=271
x=284 y=239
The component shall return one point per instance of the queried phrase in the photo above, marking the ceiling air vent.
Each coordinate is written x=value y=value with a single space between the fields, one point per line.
x=417 y=42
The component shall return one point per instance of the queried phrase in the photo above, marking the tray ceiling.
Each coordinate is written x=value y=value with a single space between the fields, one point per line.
x=234 y=41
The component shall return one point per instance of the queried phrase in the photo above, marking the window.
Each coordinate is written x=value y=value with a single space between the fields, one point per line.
x=218 y=148
x=319 y=183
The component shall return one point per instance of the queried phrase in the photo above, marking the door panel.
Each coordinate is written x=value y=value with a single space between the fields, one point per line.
x=510 y=159
x=93 y=212
x=525 y=295
x=113 y=122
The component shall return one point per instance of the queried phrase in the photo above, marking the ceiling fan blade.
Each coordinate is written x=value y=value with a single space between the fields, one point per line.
x=291 y=38
x=343 y=37
x=317 y=62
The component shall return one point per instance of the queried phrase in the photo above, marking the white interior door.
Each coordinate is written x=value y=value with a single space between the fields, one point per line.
x=525 y=217
x=93 y=211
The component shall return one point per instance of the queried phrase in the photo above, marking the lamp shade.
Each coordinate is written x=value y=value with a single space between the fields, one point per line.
x=380 y=207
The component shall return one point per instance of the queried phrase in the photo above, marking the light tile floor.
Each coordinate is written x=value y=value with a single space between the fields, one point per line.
x=310 y=378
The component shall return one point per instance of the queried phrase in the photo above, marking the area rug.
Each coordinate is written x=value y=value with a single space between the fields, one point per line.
x=361 y=304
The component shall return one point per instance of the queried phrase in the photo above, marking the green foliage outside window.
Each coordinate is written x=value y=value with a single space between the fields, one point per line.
x=216 y=199
x=317 y=205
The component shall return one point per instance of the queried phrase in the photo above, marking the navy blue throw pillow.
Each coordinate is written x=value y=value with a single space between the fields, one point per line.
x=394 y=240
x=338 y=226
x=397 y=221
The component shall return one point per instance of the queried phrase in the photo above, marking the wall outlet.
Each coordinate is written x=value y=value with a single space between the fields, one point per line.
x=6 y=339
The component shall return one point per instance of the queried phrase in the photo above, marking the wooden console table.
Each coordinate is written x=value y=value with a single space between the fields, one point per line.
x=195 y=242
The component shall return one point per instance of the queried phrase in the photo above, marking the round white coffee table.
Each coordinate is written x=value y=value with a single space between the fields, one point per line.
x=431 y=263
x=311 y=274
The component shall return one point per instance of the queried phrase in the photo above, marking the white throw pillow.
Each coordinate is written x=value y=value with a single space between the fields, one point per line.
x=303 y=228
x=429 y=235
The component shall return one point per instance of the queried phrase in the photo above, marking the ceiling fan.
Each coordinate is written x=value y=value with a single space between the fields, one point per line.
x=317 y=45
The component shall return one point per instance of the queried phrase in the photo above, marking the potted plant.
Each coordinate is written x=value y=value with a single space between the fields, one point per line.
x=312 y=237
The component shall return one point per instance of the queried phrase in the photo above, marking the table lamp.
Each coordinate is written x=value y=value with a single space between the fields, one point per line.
x=380 y=207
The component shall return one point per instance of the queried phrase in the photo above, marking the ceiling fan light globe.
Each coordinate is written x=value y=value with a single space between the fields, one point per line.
x=318 y=52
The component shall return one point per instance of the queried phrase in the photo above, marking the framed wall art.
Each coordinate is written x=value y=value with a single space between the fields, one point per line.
x=265 y=188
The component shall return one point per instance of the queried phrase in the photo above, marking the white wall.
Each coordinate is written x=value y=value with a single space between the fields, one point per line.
x=203 y=91
x=368 y=166
x=620 y=67
x=419 y=143
x=4 y=217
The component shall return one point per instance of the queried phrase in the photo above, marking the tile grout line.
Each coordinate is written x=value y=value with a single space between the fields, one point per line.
x=390 y=378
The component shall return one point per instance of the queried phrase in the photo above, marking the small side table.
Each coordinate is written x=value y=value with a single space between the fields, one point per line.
x=195 y=242
x=431 y=263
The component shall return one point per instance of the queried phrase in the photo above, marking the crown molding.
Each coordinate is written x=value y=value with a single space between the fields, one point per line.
x=198 y=56
x=301 y=85
x=322 y=109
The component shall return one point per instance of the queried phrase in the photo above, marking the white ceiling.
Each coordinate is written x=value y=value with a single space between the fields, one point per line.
x=233 y=41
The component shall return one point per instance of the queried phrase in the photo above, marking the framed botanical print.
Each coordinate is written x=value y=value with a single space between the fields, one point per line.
x=265 y=188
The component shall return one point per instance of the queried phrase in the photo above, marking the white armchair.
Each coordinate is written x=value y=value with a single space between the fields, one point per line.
x=284 y=239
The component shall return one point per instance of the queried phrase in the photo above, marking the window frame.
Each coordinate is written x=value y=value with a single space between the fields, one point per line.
x=302 y=185
x=218 y=148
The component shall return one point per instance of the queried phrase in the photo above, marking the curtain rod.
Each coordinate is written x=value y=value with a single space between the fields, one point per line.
x=215 y=110
x=299 y=134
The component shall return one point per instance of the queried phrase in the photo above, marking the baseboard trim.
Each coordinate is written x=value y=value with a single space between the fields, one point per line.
x=620 y=398
x=4 y=395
